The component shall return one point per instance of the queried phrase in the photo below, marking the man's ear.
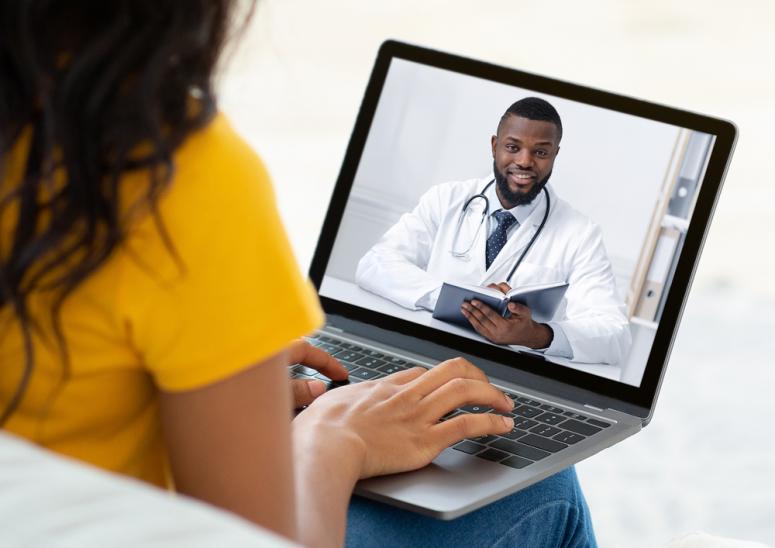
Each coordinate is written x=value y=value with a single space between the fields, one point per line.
x=556 y=153
x=493 y=142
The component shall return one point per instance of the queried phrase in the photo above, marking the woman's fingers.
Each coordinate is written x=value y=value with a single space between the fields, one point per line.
x=406 y=376
x=459 y=391
x=469 y=425
x=304 y=353
x=305 y=392
x=394 y=420
x=442 y=373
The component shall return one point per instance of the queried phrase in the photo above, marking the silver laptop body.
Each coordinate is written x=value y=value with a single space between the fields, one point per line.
x=653 y=272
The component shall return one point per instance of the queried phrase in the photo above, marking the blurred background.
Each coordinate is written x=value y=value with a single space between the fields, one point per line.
x=293 y=86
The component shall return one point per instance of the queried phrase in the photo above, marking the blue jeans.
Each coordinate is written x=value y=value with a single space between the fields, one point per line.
x=551 y=513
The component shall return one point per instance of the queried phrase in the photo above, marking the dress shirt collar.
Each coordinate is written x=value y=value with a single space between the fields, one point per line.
x=521 y=212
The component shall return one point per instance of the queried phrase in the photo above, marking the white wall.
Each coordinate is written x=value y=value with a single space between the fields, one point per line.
x=433 y=125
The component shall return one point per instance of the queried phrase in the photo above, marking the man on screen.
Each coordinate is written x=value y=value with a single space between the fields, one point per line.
x=475 y=231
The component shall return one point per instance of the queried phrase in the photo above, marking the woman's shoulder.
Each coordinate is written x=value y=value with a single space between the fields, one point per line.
x=217 y=160
x=219 y=189
x=217 y=140
x=219 y=193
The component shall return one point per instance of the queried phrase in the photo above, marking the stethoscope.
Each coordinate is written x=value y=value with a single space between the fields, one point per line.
x=465 y=255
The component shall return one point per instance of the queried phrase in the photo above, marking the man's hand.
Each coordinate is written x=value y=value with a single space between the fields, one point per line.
x=503 y=287
x=305 y=392
x=519 y=328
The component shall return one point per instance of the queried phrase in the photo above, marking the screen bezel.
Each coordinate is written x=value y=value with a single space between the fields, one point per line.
x=725 y=136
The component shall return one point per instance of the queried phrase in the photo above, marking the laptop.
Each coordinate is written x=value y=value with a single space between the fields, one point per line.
x=646 y=177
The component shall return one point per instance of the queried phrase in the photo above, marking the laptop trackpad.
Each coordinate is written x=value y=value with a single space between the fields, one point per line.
x=446 y=488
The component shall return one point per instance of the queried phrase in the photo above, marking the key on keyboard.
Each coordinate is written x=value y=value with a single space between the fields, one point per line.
x=389 y=369
x=469 y=447
x=542 y=443
x=493 y=455
x=364 y=374
x=527 y=411
x=373 y=363
x=330 y=348
x=550 y=418
x=545 y=430
x=516 y=462
x=349 y=356
x=568 y=437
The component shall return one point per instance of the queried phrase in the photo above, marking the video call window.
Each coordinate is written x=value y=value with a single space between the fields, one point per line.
x=621 y=192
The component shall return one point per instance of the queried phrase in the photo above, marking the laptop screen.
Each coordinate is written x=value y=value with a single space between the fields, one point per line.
x=505 y=215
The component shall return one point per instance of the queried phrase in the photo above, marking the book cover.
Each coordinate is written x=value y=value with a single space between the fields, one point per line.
x=542 y=299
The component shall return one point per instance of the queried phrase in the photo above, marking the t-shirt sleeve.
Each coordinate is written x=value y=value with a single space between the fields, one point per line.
x=214 y=289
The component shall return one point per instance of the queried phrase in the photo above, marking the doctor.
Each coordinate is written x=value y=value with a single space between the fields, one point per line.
x=476 y=231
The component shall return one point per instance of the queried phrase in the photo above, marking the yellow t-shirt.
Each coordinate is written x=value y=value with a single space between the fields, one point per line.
x=147 y=321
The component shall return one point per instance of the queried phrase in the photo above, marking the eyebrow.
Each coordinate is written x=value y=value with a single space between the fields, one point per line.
x=510 y=138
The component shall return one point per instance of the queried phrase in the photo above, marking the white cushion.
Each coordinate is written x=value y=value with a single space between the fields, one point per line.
x=48 y=500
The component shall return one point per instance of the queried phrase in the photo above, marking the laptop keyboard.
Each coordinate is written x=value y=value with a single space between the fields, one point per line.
x=540 y=429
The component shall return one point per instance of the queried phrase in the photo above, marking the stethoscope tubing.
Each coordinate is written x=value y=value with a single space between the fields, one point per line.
x=485 y=213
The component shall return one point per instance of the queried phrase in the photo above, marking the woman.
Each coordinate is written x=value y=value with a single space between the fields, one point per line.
x=150 y=305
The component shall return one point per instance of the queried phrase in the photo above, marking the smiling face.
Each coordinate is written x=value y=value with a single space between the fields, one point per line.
x=523 y=157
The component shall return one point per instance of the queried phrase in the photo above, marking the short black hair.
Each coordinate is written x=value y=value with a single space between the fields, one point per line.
x=534 y=108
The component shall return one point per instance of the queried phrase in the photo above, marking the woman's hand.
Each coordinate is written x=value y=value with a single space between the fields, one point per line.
x=304 y=391
x=392 y=424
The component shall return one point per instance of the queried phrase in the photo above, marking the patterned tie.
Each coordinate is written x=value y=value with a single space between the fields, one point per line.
x=497 y=239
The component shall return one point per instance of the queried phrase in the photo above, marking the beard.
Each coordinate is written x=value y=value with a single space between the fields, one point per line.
x=517 y=198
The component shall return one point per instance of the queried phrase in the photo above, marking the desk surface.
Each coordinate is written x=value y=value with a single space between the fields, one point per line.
x=342 y=290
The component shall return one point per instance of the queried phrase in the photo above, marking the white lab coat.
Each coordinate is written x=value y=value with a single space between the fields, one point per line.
x=414 y=257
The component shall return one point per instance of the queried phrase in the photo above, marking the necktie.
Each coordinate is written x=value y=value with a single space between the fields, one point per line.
x=497 y=239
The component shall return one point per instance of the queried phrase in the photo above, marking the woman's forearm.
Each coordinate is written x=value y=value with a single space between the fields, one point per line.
x=327 y=465
x=217 y=441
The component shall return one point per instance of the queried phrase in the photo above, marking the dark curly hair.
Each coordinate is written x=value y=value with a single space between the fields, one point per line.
x=534 y=108
x=96 y=89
